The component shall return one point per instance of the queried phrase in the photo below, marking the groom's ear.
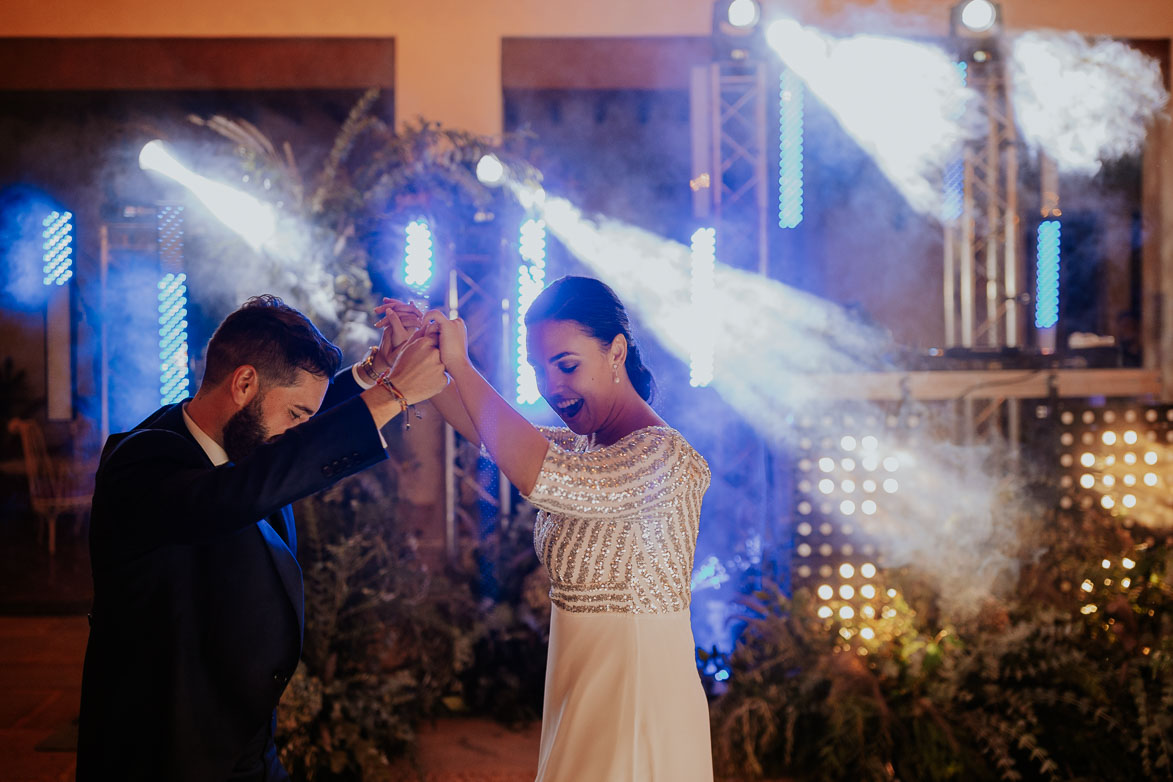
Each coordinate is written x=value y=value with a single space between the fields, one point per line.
x=244 y=384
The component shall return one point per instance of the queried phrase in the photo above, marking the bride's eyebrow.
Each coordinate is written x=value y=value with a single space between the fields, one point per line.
x=562 y=355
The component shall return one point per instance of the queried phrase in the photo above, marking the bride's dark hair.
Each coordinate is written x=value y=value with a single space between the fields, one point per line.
x=595 y=307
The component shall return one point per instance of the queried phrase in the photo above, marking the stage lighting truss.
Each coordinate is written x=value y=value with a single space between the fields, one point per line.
x=848 y=471
x=1117 y=458
x=488 y=295
x=983 y=258
x=736 y=29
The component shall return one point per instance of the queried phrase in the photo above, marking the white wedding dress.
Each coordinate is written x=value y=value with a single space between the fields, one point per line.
x=617 y=529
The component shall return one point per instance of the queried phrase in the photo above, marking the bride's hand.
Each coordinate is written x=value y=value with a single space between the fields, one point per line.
x=453 y=336
x=399 y=321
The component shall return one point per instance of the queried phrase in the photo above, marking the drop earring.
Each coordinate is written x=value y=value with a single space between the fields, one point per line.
x=615 y=372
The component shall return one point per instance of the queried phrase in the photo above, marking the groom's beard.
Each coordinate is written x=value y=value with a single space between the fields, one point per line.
x=244 y=431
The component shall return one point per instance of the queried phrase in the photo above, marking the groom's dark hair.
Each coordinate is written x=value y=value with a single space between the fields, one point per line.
x=274 y=338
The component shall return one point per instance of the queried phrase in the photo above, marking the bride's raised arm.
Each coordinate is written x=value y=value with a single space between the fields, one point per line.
x=515 y=444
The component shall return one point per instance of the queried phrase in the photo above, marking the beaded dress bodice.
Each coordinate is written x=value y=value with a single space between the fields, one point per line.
x=617 y=525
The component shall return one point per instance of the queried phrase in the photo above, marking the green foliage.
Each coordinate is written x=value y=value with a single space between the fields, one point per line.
x=1069 y=680
x=391 y=641
x=374 y=178
x=507 y=677
x=385 y=638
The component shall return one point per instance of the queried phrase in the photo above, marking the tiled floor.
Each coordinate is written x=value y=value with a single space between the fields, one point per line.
x=35 y=583
x=40 y=688
x=43 y=631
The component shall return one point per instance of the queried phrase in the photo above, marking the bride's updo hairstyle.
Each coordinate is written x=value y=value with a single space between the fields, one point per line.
x=595 y=307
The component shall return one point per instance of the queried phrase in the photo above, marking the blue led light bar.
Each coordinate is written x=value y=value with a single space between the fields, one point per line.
x=417 y=257
x=173 y=381
x=790 y=152
x=531 y=279
x=704 y=257
x=57 y=234
x=1047 y=275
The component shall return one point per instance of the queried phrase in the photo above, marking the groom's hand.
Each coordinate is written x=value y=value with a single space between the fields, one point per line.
x=418 y=372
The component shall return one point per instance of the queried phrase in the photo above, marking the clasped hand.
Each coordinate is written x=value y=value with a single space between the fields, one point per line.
x=414 y=342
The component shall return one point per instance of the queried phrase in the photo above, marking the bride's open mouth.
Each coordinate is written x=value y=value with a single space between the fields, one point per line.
x=568 y=408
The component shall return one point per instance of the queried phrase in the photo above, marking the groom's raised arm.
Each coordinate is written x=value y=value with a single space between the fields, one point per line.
x=175 y=496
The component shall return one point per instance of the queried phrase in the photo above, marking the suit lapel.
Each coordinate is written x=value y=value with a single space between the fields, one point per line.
x=280 y=553
x=284 y=560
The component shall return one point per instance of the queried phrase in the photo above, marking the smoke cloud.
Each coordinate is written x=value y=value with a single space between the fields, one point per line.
x=1083 y=102
x=783 y=357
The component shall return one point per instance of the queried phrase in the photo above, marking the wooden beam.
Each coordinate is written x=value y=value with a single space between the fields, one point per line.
x=992 y=384
x=196 y=63
x=602 y=63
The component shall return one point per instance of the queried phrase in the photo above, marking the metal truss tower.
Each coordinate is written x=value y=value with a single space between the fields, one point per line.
x=984 y=272
x=730 y=185
x=473 y=489
x=730 y=104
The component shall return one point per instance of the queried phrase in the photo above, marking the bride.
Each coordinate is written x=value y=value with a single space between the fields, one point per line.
x=619 y=498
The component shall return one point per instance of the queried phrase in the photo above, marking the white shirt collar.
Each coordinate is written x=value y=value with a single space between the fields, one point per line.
x=212 y=448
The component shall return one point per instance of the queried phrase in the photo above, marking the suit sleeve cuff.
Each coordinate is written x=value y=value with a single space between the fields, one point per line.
x=362 y=380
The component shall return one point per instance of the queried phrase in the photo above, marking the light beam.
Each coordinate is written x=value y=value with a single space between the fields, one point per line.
x=899 y=100
x=251 y=219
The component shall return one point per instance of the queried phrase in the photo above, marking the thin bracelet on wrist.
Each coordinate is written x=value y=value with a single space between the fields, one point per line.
x=384 y=379
x=368 y=365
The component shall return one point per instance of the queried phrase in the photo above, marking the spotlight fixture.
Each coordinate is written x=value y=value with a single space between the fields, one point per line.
x=490 y=170
x=976 y=18
x=736 y=31
x=743 y=13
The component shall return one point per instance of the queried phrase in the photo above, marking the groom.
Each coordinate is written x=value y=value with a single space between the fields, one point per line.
x=197 y=617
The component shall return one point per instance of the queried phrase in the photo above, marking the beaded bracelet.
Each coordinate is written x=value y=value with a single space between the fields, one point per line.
x=368 y=365
x=384 y=380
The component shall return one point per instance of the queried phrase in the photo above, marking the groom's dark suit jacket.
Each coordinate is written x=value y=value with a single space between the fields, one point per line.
x=197 y=616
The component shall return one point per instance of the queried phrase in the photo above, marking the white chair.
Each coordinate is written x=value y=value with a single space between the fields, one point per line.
x=56 y=487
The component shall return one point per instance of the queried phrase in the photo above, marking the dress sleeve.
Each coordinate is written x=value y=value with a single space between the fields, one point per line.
x=559 y=435
x=631 y=476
